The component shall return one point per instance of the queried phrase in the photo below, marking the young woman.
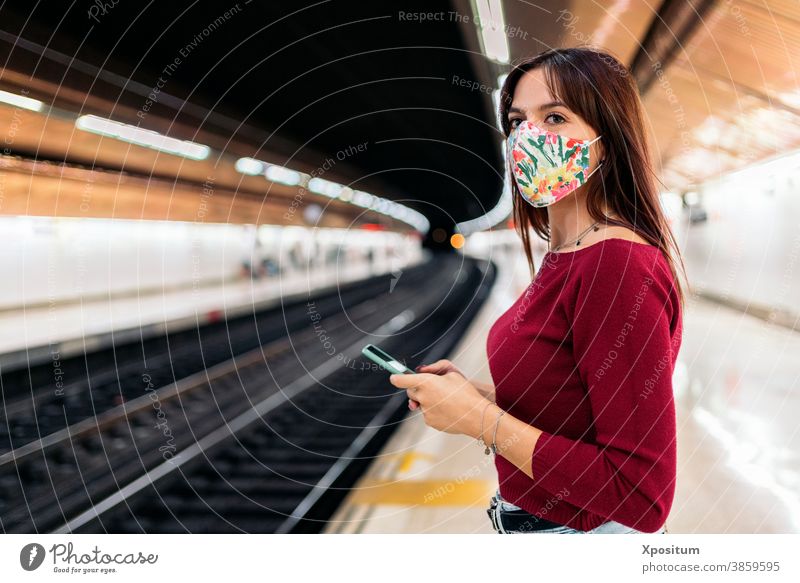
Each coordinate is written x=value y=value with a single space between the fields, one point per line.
x=581 y=416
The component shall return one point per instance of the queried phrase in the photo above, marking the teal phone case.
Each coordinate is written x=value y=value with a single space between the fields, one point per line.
x=385 y=360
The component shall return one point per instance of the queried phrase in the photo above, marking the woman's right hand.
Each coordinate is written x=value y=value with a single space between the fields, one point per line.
x=440 y=367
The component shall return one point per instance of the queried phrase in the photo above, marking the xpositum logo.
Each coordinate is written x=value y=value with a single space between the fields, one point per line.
x=31 y=556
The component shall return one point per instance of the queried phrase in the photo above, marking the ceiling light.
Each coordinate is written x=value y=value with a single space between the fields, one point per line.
x=21 y=101
x=250 y=166
x=493 y=29
x=142 y=137
x=283 y=175
x=326 y=187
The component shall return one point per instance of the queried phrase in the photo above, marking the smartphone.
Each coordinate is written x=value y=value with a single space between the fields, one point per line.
x=385 y=360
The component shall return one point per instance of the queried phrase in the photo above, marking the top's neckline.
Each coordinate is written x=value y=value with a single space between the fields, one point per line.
x=598 y=243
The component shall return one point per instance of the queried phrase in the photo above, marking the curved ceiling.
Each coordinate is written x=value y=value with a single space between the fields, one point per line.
x=395 y=97
x=371 y=95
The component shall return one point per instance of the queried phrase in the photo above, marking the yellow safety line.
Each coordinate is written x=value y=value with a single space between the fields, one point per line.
x=423 y=492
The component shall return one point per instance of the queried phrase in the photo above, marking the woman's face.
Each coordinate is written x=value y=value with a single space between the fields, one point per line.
x=532 y=102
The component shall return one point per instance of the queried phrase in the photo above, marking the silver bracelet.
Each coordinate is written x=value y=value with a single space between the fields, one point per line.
x=480 y=437
x=494 y=437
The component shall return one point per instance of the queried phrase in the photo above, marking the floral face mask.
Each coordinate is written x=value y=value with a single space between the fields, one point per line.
x=547 y=166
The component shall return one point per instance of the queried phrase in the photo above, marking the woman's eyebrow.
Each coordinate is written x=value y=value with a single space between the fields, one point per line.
x=542 y=107
x=551 y=104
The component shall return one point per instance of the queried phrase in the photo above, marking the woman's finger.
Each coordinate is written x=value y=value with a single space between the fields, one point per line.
x=437 y=368
x=404 y=381
x=409 y=381
x=443 y=363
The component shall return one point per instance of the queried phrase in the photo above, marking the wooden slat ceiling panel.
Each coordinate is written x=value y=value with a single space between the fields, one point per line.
x=757 y=53
x=736 y=78
x=156 y=177
x=777 y=9
x=51 y=190
x=735 y=96
x=686 y=102
x=616 y=25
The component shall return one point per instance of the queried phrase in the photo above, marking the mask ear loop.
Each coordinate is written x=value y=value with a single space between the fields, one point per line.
x=596 y=168
x=599 y=164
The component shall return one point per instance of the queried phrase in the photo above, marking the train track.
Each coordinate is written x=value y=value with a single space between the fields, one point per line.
x=267 y=441
x=34 y=405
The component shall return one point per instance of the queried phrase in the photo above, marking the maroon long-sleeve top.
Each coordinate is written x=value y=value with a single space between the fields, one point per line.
x=586 y=355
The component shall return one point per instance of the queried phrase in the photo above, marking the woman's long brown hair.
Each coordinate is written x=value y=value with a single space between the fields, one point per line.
x=596 y=86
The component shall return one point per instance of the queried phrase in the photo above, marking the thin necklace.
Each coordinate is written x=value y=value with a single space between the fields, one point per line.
x=577 y=240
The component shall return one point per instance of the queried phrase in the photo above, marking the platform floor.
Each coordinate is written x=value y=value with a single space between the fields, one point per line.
x=738 y=396
x=737 y=389
x=426 y=481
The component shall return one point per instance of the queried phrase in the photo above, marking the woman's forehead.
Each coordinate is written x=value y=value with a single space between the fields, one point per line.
x=532 y=92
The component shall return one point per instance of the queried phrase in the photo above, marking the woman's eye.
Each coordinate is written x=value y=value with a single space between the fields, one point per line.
x=514 y=122
x=559 y=117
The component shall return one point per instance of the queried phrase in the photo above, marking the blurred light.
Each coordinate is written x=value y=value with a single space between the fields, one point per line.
x=496 y=103
x=142 y=137
x=782 y=164
x=325 y=187
x=496 y=98
x=672 y=204
x=21 y=101
x=378 y=205
x=439 y=234
x=346 y=194
x=710 y=131
x=691 y=198
x=360 y=198
x=402 y=212
x=312 y=213
x=363 y=199
x=250 y=166
x=282 y=175
x=791 y=98
x=493 y=29
x=457 y=240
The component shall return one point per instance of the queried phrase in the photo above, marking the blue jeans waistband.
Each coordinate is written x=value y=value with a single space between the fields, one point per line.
x=507 y=518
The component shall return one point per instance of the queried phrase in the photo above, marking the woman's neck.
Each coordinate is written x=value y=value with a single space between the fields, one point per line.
x=569 y=221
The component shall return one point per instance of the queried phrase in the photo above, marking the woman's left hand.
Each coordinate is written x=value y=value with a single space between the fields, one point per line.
x=449 y=402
